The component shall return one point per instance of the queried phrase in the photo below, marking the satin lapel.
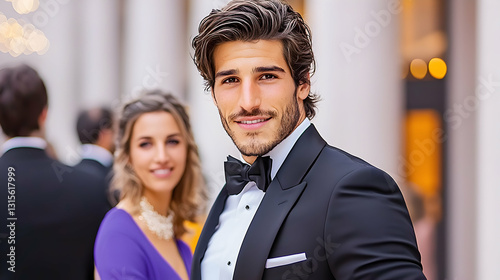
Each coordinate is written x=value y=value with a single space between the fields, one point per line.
x=280 y=198
x=207 y=232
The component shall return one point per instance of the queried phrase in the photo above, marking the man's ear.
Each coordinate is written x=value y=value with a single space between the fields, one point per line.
x=105 y=139
x=304 y=89
x=43 y=117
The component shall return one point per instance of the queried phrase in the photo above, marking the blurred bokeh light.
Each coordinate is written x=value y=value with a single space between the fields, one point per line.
x=18 y=38
x=437 y=68
x=418 y=68
x=24 y=6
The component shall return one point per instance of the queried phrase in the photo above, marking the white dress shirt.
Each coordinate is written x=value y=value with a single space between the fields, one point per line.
x=224 y=245
x=97 y=153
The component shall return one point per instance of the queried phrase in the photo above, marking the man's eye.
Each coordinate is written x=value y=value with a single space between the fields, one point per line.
x=268 y=76
x=229 y=80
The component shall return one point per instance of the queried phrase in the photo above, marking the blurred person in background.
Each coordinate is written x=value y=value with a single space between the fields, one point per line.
x=296 y=208
x=95 y=131
x=425 y=214
x=157 y=170
x=57 y=209
x=2 y=136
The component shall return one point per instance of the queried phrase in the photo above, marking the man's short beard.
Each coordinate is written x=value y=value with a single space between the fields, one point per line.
x=289 y=121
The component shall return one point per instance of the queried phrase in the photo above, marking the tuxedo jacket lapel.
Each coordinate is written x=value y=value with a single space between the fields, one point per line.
x=280 y=197
x=260 y=235
x=208 y=230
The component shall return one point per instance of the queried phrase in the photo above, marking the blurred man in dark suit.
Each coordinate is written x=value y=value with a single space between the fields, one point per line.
x=95 y=131
x=49 y=212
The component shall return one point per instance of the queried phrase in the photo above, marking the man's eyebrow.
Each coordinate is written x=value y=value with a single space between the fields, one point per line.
x=268 y=69
x=225 y=73
x=255 y=70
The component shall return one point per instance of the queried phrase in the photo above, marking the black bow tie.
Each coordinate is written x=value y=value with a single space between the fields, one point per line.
x=239 y=174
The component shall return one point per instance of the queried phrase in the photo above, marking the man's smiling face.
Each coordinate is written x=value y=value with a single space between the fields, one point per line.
x=258 y=101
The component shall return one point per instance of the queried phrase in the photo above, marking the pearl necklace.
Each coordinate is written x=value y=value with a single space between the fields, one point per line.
x=160 y=225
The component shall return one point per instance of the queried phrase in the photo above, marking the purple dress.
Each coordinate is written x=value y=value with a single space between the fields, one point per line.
x=122 y=251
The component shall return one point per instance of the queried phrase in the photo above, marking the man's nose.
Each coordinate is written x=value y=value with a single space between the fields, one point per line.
x=250 y=97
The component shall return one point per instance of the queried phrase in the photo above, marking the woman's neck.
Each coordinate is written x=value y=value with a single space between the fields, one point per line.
x=160 y=202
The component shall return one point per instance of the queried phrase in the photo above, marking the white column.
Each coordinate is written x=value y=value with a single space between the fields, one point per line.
x=100 y=50
x=154 y=46
x=358 y=77
x=461 y=191
x=487 y=100
x=213 y=142
x=58 y=68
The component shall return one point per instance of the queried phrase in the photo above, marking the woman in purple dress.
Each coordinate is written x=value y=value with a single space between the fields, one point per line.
x=157 y=172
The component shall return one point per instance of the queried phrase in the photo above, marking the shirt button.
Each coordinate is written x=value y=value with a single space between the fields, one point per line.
x=229 y=263
x=247 y=207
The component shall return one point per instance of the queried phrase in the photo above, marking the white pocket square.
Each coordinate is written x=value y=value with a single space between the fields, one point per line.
x=280 y=261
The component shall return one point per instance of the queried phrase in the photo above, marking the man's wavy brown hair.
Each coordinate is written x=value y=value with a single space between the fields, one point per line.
x=252 y=20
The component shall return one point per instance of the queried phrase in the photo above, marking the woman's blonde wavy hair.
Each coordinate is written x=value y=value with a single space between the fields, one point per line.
x=189 y=194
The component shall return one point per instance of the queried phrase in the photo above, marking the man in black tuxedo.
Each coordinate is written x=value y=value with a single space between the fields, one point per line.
x=95 y=131
x=297 y=208
x=49 y=211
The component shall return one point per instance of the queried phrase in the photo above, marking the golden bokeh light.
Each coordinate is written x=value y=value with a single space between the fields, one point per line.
x=418 y=68
x=17 y=45
x=14 y=30
x=37 y=42
x=17 y=38
x=437 y=68
x=24 y=6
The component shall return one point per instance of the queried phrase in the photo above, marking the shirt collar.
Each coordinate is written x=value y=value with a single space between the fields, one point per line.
x=23 y=142
x=97 y=153
x=279 y=153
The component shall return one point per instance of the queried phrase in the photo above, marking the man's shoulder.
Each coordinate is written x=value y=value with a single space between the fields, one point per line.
x=342 y=165
x=30 y=161
x=36 y=165
x=338 y=155
x=330 y=160
x=20 y=154
x=337 y=162
x=92 y=166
